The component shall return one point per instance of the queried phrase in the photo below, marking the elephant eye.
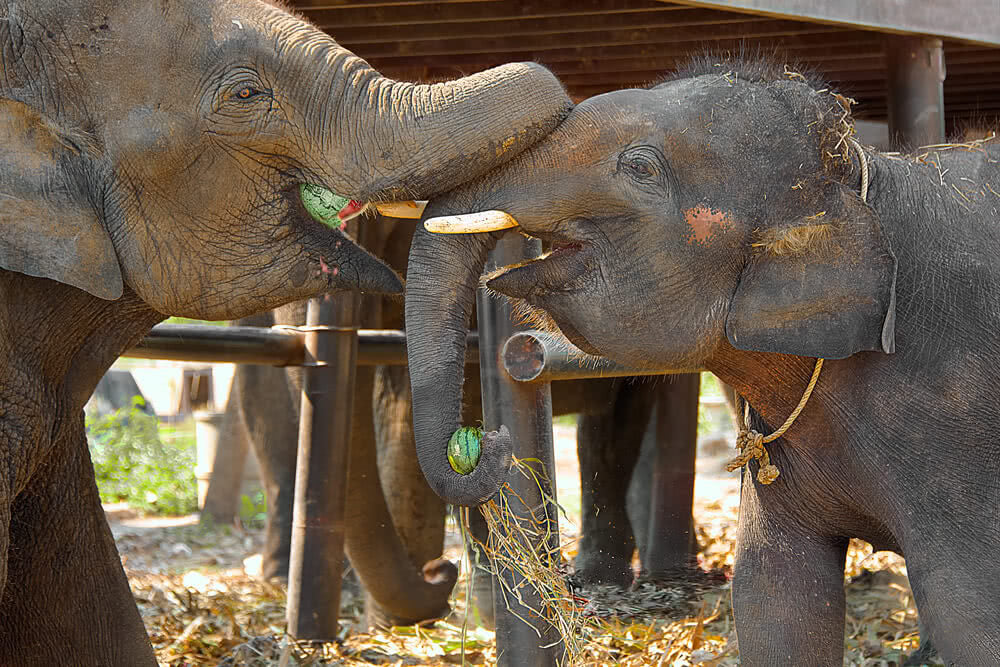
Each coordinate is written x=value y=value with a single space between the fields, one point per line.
x=642 y=164
x=248 y=91
x=641 y=169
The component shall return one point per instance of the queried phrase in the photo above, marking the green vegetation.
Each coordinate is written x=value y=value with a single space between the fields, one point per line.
x=134 y=464
x=253 y=510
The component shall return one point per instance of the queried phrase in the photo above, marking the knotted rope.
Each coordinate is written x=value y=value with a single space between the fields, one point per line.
x=750 y=442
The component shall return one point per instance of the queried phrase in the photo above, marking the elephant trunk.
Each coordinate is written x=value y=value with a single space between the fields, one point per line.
x=419 y=140
x=404 y=594
x=443 y=273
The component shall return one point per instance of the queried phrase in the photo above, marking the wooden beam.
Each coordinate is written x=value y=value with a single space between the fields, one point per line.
x=513 y=28
x=696 y=36
x=798 y=48
x=436 y=13
x=975 y=21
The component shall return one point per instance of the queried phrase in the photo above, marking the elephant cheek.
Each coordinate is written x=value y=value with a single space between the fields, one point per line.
x=299 y=274
x=705 y=225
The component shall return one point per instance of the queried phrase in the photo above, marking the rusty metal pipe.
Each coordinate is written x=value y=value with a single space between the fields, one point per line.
x=534 y=356
x=317 y=550
x=274 y=347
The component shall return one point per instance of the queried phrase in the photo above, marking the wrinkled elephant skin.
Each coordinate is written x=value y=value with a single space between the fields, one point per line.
x=151 y=161
x=717 y=222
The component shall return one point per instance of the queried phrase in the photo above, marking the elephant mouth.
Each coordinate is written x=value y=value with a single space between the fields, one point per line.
x=335 y=210
x=565 y=268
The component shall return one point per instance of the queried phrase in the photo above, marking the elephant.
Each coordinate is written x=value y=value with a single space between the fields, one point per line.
x=726 y=220
x=153 y=159
x=394 y=523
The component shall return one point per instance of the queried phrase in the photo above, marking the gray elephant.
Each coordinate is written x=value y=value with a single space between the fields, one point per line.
x=152 y=156
x=725 y=220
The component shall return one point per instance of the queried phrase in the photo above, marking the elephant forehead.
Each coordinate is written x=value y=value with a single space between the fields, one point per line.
x=232 y=22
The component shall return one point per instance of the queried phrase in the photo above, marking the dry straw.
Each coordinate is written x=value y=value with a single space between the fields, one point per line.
x=522 y=540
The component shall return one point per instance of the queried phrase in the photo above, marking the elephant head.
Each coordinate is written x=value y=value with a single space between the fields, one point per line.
x=163 y=146
x=711 y=215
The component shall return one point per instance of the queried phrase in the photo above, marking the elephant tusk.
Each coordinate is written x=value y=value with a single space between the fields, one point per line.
x=470 y=223
x=402 y=209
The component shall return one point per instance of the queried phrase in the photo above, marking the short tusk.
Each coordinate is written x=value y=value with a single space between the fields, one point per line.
x=470 y=223
x=402 y=209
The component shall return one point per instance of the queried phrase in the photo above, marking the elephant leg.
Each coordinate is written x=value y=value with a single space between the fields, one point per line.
x=788 y=589
x=270 y=413
x=957 y=591
x=672 y=494
x=640 y=490
x=223 y=493
x=66 y=598
x=608 y=445
x=417 y=512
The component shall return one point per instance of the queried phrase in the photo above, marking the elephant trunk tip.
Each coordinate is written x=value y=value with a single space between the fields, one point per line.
x=440 y=572
x=486 y=478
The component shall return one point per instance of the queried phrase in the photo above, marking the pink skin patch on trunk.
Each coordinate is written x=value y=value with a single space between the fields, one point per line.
x=705 y=224
x=323 y=268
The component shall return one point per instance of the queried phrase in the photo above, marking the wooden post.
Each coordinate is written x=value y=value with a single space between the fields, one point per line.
x=916 y=91
x=525 y=409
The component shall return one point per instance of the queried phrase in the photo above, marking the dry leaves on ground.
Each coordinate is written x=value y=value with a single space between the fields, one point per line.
x=200 y=607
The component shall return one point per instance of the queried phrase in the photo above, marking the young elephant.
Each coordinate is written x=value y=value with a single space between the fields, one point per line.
x=152 y=156
x=724 y=220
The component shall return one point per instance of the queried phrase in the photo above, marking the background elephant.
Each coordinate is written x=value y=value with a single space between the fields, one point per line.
x=395 y=523
x=733 y=195
x=151 y=160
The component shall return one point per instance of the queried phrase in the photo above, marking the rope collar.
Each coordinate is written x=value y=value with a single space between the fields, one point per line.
x=750 y=442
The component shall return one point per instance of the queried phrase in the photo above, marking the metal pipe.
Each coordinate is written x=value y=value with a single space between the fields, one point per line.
x=279 y=346
x=916 y=91
x=525 y=409
x=215 y=344
x=534 y=356
x=317 y=549
x=671 y=524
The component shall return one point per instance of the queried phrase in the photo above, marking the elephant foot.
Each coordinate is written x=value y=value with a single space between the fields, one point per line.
x=274 y=570
x=589 y=570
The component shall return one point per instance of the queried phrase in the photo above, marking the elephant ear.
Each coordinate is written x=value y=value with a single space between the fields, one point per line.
x=822 y=286
x=48 y=228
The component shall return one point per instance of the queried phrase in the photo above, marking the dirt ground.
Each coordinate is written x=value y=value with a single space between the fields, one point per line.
x=202 y=606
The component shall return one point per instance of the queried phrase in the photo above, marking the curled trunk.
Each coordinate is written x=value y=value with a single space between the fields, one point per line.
x=443 y=273
x=417 y=140
x=404 y=594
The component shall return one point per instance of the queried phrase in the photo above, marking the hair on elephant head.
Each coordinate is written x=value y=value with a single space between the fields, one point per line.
x=725 y=220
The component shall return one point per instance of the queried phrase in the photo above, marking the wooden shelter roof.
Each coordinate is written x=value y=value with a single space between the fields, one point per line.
x=599 y=45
